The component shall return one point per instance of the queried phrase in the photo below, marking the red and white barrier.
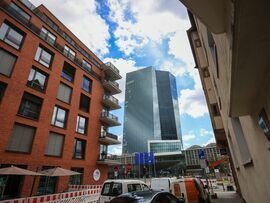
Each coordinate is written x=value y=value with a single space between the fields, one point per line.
x=84 y=187
x=81 y=196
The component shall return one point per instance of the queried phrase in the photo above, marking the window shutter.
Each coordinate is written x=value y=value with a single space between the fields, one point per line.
x=6 y=62
x=64 y=93
x=55 y=144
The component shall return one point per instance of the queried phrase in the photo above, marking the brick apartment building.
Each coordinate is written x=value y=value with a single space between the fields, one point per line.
x=55 y=98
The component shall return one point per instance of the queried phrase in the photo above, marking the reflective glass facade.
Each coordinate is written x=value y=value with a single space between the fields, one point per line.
x=165 y=147
x=151 y=109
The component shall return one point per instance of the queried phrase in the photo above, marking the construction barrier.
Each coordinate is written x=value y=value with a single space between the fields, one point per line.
x=84 y=187
x=81 y=196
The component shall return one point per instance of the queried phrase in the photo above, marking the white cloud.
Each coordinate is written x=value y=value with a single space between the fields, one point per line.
x=211 y=140
x=176 y=71
x=204 y=132
x=82 y=20
x=188 y=137
x=124 y=66
x=115 y=150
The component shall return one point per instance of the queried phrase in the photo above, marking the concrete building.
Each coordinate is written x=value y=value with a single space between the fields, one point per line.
x=48 y=79
x=193 y=166
x=230 y=42
x=151 y=109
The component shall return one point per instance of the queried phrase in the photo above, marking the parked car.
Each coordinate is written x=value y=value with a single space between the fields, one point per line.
x=113 y=188
x=150 y=196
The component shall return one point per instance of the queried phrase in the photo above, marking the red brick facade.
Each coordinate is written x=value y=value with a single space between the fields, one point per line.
x=17 y=85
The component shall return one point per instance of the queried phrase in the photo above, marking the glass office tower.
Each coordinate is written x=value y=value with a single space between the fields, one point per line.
x=151 y=109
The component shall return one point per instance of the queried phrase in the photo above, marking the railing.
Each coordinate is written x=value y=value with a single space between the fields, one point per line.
x=109 y=64
x=113 y=99
x=105 y=134
x=113 y=82
x=109 y=115
x=56 y=28
x=38 y=32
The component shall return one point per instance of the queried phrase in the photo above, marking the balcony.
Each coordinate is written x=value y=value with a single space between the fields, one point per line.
x=109 y=119
x=111 y=86
x=110 y=102
x=111 y=71
x=105 y=160
x=108 y=138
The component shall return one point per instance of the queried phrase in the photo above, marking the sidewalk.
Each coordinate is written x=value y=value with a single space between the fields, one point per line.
x=227 y=197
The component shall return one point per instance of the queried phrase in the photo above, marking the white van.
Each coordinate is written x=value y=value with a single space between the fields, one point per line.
x=113 y=188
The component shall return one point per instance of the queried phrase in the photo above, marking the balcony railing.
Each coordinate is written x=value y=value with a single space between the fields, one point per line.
x=109 y=64
x=38 y=32
x=112 y=98
x=105 y=134
x=107 y=114
x=112 y=82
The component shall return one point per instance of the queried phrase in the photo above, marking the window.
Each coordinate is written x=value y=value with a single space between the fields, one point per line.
x=69 y=52
x=7 y=62
x=64 y=93
x=59 y=117
x=103 y=152
x=81 y=125
x=205 y=72
x=68 y=72
x=55 y=144
x=76 y=179
x=134 y=187
x=112 y=189
x=84 y=103
x=22 y=13
x=87 y=84
x=47 y=185
x=11 y=36
x=21 y=138
x=3 y=87
x=241 y=141
x=86 y=66
x=44 y=57
x=48 y=36
x=37 y=79
x=79 y=149
x=30 y=106
x=215 y=109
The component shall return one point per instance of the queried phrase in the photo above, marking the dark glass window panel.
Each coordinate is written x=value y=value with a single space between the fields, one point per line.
x=59 y=117
x=43 y=57
x=3 y=87
x=11 y=36
x=81 y=125
x=21 y=12
x=7 y=62
x=30 y=106
x=79 y=149
x=68 y=72
x=47 y=185
x=48 y=36
x=84 y=103
x=87 y=84
x=37 y=79
x=69 y=53
x=87 y=66
x=76 y=179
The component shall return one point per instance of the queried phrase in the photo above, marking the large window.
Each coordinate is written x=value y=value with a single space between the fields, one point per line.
x=7 y=62
x=11 y=36
x=37 y=79
x=69 y=52
x=21 y=138
x=59 y=117
x=79 y=149
x=3 y=87
x=68 y=72
x=47 y=185
x=86 y=66
x=30 y=106
x=24 y=16
x=43 y=56
x=87 y=84
x=55 y=144
x=81 y=125
x=84 y=103
x=64 y=93
x=48 y=36
x=76 y=179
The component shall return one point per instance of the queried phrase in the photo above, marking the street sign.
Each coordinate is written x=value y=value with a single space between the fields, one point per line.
x=201 y=154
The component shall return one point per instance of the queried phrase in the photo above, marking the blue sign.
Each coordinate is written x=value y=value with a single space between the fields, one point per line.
x=152 y=158
x=146 y=158
x=141 y=158
x=201 y=154
x=137 y=158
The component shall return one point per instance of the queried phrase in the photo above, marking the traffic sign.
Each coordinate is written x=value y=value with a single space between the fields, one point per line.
x=201 y=154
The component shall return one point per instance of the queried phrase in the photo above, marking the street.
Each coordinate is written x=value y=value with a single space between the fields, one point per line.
x=227 y=197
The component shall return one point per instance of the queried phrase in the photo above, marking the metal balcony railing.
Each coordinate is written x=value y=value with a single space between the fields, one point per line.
x=112 y=82
x=107 y=114
x=13 y=13
x=105 y=134
x=109 y=64
x=112 y=98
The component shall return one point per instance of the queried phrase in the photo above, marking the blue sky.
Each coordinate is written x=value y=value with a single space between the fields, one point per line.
x=136 y=34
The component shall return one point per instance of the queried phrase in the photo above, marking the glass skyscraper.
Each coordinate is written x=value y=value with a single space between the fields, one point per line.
x=151 y=109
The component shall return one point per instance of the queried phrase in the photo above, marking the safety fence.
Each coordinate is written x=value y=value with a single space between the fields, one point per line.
x=87 y=195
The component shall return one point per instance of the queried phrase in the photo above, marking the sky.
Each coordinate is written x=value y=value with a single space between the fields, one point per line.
x=136 y=34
